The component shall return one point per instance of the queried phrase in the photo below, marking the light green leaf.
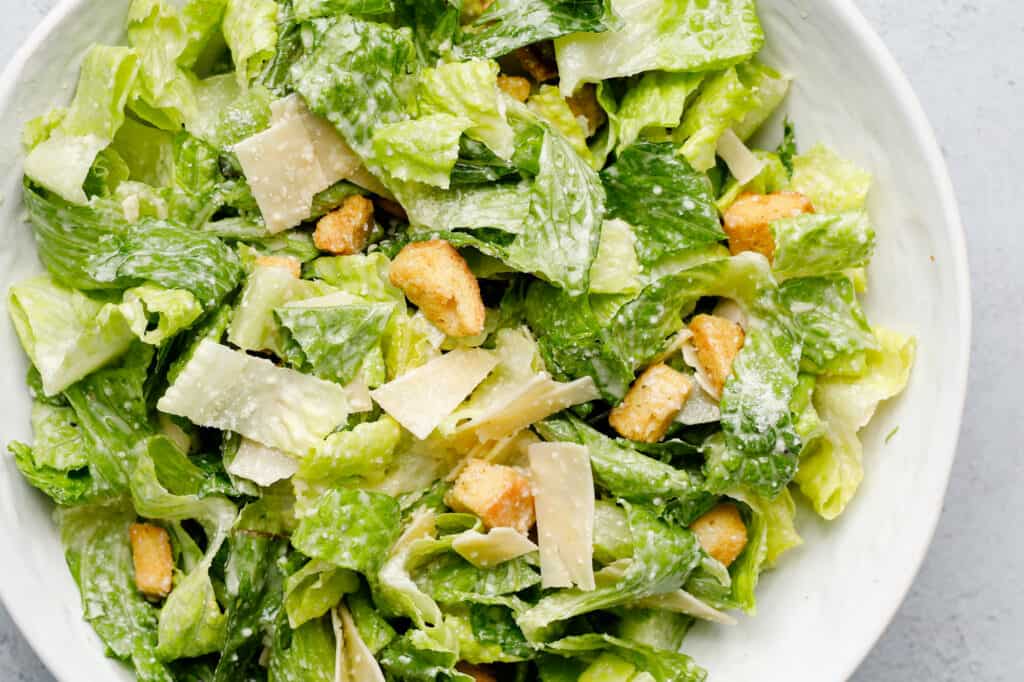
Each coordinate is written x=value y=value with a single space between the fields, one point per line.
x=831 y=471
x=253 y=326
x=164 y=94
x=660 y=665
x=174 y=310
x=832 y=183
x=813 y=244
x=470 y=90
x=723 y=103
x=66 y=334
x=314 y=9
x=308 y=655
x=549 y=104
x=366 y=451
x=677 y=35
x=350 y=529
x=315 y=589
x=770 y=533
x=420 y=150
x=616 y=270
x=656 y=101
x=250 y=30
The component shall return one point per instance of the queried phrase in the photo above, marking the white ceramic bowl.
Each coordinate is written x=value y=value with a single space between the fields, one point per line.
x=830 y=600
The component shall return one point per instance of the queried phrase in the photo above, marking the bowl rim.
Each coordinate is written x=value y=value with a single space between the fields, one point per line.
x=926 y=138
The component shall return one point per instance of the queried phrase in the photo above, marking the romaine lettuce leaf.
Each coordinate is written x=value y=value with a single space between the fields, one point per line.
x=723 y=103
x=90 y=249
x=314 y=9
x=659 y=665
x=315 y=589
x=66 y=488
x=836 y=335
x=656 y=101
x=668 y=203
x=100 y=558
x=174 y=311
x=616 y=270
x=549 y=105
x=469 y=90
x=420 y=657
x=163 y=94
x=365 y=451
x=510 y=24
x=364 y=276
x=663 y=557
x=250 y=30
x=350 y=529
x=831 y=471
x=832 y=183
x=813 y=244
x=670 y=36
x=253 y=326
x=422 y=150
x=333 y=342
x=450 y=579
x=305 y=654
x=353 y=77
x=61 y=157
x=66 y=334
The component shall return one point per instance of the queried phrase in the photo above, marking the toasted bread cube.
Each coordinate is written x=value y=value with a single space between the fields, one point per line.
x=479 y=673
x=154 y=563
x=437 y=279
x=584 y=103
x=722 y=533
x=516 y=87
x=651 y=404
x=292 y=266
x=718 y=342
x=535 y=62
x=346 y=230
x=498 y=494
x=748 y=221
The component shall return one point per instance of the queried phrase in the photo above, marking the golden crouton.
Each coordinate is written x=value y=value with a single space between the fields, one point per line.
x=516 y=87
x=584 y=103
x=721 y=533
x=478 y=672
x=345 y=231
x=533 y=60
x=718 y=342
x=748 y=221
x=498 y=494
x=652 y=403
x=292 y=266
x=437 y=279
x=154 y=564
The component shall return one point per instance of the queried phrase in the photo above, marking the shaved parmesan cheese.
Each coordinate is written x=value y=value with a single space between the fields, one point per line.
x=336 y=158
x=282 y=168
x=420 y=400
x=229 y=390
x=700 y=408
x=701 y=374
x=358 y=395
x=539 y=398
x=742 y=163
x=262 y=465
x=732 y=311
x=496 y=547
x=682 y=601
x=353 y=662
x=563 y=492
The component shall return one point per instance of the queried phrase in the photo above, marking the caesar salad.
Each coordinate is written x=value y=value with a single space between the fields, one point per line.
x=427 y=340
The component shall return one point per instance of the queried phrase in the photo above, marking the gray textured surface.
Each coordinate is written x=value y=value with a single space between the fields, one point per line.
x=964 y=617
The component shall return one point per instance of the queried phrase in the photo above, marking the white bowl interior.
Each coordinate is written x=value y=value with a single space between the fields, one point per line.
x=832 y=598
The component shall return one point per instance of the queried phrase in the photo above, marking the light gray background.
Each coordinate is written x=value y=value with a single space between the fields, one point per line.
x=964 y=618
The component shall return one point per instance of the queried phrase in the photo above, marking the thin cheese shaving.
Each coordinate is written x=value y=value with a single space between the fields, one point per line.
x=353 y=662
x=494 y=548
x=421 y=399
x=539 y=398
x=262 y=465
x=742 y=163
x=563 y=491
x=229 y=390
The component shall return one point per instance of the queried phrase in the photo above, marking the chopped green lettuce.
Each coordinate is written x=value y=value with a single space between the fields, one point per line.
x=350 y=529
x=831 y=471
x=314 y=9
x=669 y=204
x=250 y=30
x=469 y=90
x=669 y=36
x=770 y=533
x=658 y=665
x=656 y=101
x=420 y=150
x=510 y=24
x=174 y=311
x=549 y=105
x=616 y=269
x=65 y=333
x=832 y=183
x=315 y=589
x=813 y=244
x=366 y=451
x=163 y=94
x=305 y=654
